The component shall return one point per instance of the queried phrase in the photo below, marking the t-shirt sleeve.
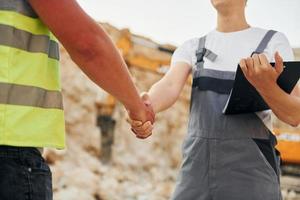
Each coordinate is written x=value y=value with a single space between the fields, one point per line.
x=185 y=52
x=281 y=44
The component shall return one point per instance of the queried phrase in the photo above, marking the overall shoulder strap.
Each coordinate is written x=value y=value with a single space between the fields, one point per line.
x=203 y=52
x=201 y=49
x=264 y=42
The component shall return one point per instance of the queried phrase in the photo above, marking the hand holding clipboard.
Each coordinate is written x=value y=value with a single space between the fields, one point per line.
x=244 y=98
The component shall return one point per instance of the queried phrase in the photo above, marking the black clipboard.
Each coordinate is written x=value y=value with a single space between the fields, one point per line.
x=244 y=98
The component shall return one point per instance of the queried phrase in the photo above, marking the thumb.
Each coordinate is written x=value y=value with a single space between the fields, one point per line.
x=278 y=63
x=146 y=98
x=147 y=101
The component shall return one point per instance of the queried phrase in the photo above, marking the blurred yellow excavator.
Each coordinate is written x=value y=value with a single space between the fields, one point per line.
x=142 y=53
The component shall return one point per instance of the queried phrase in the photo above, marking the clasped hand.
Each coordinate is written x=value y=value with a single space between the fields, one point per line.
x=141 y=129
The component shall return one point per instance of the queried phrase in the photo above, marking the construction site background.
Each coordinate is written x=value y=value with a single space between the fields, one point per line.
x=132 y=169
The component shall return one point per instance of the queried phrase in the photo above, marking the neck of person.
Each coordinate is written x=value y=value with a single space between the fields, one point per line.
x=232 y=21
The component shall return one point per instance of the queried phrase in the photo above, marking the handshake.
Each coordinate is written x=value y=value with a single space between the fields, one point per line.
x=142 y=122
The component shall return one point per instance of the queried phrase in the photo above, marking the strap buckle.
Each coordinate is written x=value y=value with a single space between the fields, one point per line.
x=200 y=54
x=255 y=52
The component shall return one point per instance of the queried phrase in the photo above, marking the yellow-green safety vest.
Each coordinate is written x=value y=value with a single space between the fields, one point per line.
x=31 y=108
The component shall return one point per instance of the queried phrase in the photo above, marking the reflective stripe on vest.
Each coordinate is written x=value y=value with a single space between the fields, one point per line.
x=24 y=40
x=19 y=6
x=31 y=108
x=29 y=96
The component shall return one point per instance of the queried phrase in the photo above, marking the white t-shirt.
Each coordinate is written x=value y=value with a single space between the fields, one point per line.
x=231 y=48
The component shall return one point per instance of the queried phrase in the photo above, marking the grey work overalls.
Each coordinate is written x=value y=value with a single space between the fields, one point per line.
x=224 y=156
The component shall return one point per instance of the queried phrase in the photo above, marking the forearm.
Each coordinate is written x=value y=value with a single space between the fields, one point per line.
x=163 y=95
x=165 y=92
x=104 y=65
x=286 y=107
x=90 y=47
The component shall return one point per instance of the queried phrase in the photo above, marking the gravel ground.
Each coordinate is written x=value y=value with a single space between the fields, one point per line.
x=290 y=187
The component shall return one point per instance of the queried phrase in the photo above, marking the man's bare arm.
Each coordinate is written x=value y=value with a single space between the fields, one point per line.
x=166 y=91
x=163 y=94
x=91 y=49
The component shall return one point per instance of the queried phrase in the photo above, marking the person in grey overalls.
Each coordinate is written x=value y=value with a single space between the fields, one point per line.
x=227 y=157
x=221 y=155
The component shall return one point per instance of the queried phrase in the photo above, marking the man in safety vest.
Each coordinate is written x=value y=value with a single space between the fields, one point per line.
x=31 y=108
